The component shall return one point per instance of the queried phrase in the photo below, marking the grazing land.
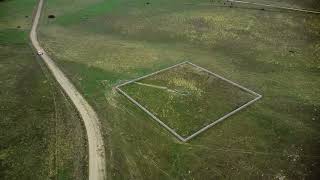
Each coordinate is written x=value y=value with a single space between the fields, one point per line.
x=100 y=44
x=41 y=135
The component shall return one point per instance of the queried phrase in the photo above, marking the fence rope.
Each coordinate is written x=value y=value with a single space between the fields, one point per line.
x=273 y=6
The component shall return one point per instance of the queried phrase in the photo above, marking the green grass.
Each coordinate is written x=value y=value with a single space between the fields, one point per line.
x=87 y=13
x=41 y=135
x=273 y=52
x=186 y=98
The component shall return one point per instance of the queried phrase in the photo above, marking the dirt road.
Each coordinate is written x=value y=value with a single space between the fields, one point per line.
x=91 y=121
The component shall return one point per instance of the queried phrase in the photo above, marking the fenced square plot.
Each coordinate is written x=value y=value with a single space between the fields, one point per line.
x=187 y=99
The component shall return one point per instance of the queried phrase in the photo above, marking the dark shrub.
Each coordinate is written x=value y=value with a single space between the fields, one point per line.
x=51 y=16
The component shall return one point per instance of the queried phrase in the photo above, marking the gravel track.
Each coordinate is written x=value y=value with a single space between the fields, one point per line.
x=96 y=147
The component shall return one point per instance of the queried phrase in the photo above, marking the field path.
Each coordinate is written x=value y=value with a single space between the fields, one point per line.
x=90 y=118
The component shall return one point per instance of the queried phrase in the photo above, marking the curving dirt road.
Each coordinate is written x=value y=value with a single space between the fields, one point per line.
x=91 y=121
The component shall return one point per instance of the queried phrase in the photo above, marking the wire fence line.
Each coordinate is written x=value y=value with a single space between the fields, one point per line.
x=257 y=97
x=225 y=79
x=274 y=6
x=159 y=87
x=150 y=114
x=154 y=73
x=225 y=4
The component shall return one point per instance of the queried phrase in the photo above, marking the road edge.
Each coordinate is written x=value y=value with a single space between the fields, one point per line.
x=97 y=166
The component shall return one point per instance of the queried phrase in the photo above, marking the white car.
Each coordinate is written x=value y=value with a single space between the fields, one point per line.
x=40 y=53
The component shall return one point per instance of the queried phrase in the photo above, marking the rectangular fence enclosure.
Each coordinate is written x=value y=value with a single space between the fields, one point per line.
x=187 y=99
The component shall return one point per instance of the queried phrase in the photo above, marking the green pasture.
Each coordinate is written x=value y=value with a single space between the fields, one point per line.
x=272 y=52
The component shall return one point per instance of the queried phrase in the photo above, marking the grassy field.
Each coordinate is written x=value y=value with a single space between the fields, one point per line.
x=100 y=44
x=186 y=98
x=41 y=135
